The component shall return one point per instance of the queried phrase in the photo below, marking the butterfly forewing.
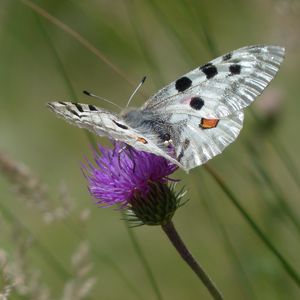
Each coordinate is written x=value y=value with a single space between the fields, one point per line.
x=105 y=123
x=85 y=116
x=226 y=84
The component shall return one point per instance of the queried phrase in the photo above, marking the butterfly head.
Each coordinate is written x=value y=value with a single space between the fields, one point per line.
x=133 y=115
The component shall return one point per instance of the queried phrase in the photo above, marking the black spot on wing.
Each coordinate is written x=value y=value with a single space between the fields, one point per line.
x=62 y=103
x=92 y=108
x=78 y=106
x=235 y=69
x=227 y=56
x=182 y=84
x=196 y=103
x=120 y=125
x=209 y=70
x=73 y=111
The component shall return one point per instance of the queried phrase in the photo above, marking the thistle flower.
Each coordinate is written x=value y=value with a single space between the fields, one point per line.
x=121 y=172
x=136 y=180
x=139 y=182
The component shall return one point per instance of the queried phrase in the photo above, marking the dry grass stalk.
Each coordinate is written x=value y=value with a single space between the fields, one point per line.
x=6 y=282
x=29 y=186
x=79 y=287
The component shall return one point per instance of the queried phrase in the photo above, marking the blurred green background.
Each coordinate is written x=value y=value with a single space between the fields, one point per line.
x=39 y=62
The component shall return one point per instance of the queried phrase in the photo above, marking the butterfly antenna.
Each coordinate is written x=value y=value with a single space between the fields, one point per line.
x=101 y=98
x=135 y=91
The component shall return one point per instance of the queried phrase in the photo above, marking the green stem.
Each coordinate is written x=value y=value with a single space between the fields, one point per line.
x=288 y=268
x=177 y=242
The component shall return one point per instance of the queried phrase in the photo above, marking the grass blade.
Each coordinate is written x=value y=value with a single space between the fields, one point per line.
x=83 y=41
x=281 y=202
x=288 y=268
x=221 y=230
x=136 y=26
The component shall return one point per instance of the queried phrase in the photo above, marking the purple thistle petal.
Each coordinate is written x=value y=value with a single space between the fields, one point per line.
x=120 y=172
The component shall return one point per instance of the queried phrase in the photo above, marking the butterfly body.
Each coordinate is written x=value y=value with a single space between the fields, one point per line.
x=147 y=122
x=196 y=116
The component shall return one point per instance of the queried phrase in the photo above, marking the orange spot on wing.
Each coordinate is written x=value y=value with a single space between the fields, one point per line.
x=142 y=140
x=208 y=123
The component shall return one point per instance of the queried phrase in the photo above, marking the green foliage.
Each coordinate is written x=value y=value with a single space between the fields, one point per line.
x=106 y=47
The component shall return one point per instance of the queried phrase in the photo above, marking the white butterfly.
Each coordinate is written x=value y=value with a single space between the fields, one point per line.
x=196 y=116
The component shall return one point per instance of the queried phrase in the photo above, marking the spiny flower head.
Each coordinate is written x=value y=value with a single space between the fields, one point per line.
x=136 y=180
x=121 y=172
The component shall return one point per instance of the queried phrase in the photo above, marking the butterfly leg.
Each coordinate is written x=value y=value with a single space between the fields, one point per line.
x=131 y=156
x=129 y=153
x=119 y=154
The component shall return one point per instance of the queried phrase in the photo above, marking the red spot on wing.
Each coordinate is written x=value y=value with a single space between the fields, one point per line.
x=208 y=123
x=142 y=140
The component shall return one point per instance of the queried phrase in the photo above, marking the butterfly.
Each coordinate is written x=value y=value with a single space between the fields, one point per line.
x=196 y=116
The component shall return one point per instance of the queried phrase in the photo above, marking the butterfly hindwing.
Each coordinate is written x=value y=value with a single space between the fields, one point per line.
x=202 y=139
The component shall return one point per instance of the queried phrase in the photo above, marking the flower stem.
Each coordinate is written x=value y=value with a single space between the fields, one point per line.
x=177 y=242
